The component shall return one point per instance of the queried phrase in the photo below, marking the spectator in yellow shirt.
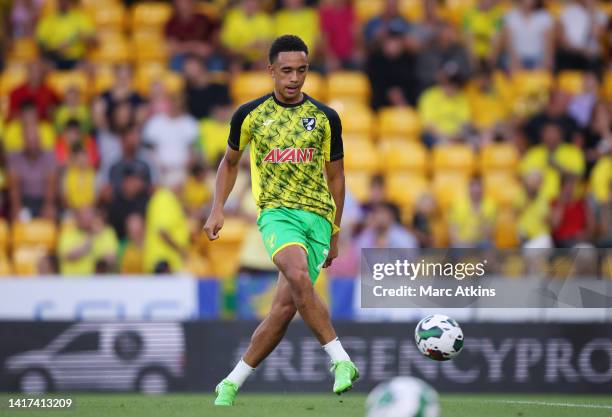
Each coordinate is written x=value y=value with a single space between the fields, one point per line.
x=489 y=104
x=444 y=110
x=28 y=116
x=65 y=36
x=472 y=218
x=214 y=132
x=246 y=33
x=297 y=19
x=88 y=247
x=79 y=182
x=553 y=158
x=195 y=192
x=601 y=175
x=482 y=26
x=132 y=251
x=533 y=211
x=167 y=229
x=73 y=107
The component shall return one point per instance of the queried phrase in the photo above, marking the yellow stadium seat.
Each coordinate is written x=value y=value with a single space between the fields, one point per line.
x=224 y=253
x=150 y=14
x=453 y=157
x=498 y=157
x=571 y=82
x=412 y=10
x=110 y=17
x=198 y=265
x=505 y=233
x=448 y=186
x=220 y=77
x=351 y=137
x=26 y=259
x=361 y=156
x=554 y=8
x=112 y=48
x=398 y=122
x=5 y=266
x=211 y=10
x=606 y=265
x=314 y=86
x=24 y=49
x=48 y=7
x=151 y=69
x=563 y=266
x=513 y=266
x=403 y=156
x=225 y=261
x=4 y=236
x=99 y=4
x=353 y=85
x=357 y=119
x=503 y=188
x=367 y=9
x=61 y=81
x=10 y=79
x=250 y=85
x=527 y=83
x=358 y=183
x=234 y=230
x=404 y=189
x=439 y=230
x=173 y=82
x=103 y=80
x=607 y=86
x=453 y=10
x=34 y=233
x=149 y=45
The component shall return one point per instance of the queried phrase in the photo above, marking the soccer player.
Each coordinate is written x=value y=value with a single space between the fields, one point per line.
x=298 y=184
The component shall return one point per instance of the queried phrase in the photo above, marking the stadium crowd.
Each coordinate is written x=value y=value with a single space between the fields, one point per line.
x=467 y=123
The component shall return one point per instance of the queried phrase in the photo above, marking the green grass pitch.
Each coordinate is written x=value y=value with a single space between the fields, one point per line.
x=319 y=405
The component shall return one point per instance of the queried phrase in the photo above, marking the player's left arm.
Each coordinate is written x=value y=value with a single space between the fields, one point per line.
x=334 y=169
x=335 y=183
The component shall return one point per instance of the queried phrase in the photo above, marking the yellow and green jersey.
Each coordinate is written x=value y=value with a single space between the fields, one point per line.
x=289 y=145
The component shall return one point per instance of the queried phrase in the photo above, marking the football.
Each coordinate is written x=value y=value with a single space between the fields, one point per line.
x=403 y=397
x=439 y=337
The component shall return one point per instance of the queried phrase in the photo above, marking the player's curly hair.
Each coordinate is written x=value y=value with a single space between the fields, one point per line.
x=286 y=43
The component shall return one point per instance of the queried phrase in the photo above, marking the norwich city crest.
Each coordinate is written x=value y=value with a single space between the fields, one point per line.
x=309 y=123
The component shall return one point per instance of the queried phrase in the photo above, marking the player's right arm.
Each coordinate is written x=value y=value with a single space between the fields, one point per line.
x=239 y=137
x=226 y=178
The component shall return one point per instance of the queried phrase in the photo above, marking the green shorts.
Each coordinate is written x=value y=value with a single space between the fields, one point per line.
x=281 y=227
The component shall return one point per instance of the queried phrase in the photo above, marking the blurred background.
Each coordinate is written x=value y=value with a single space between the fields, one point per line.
x=466 y=124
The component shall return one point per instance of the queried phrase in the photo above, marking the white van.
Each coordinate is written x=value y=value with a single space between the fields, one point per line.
x=119 y=356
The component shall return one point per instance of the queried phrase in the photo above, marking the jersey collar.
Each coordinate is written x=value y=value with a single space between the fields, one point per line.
x=299 y=103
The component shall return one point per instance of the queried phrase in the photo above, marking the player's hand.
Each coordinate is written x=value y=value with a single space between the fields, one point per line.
x=333 y=251
x=213 y=225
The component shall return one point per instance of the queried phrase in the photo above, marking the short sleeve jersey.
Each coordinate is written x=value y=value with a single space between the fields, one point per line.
x=289 y=145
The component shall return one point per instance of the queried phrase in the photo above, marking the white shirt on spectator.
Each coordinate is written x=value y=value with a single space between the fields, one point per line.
x=527 y=33
x=171 y=139
x=577 y=23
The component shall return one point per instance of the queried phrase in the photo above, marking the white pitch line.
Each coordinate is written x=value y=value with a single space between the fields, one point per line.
x=550 y=404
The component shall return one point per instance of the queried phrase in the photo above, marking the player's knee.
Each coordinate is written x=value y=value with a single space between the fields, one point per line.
x=283 y=313
x=297 y=275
